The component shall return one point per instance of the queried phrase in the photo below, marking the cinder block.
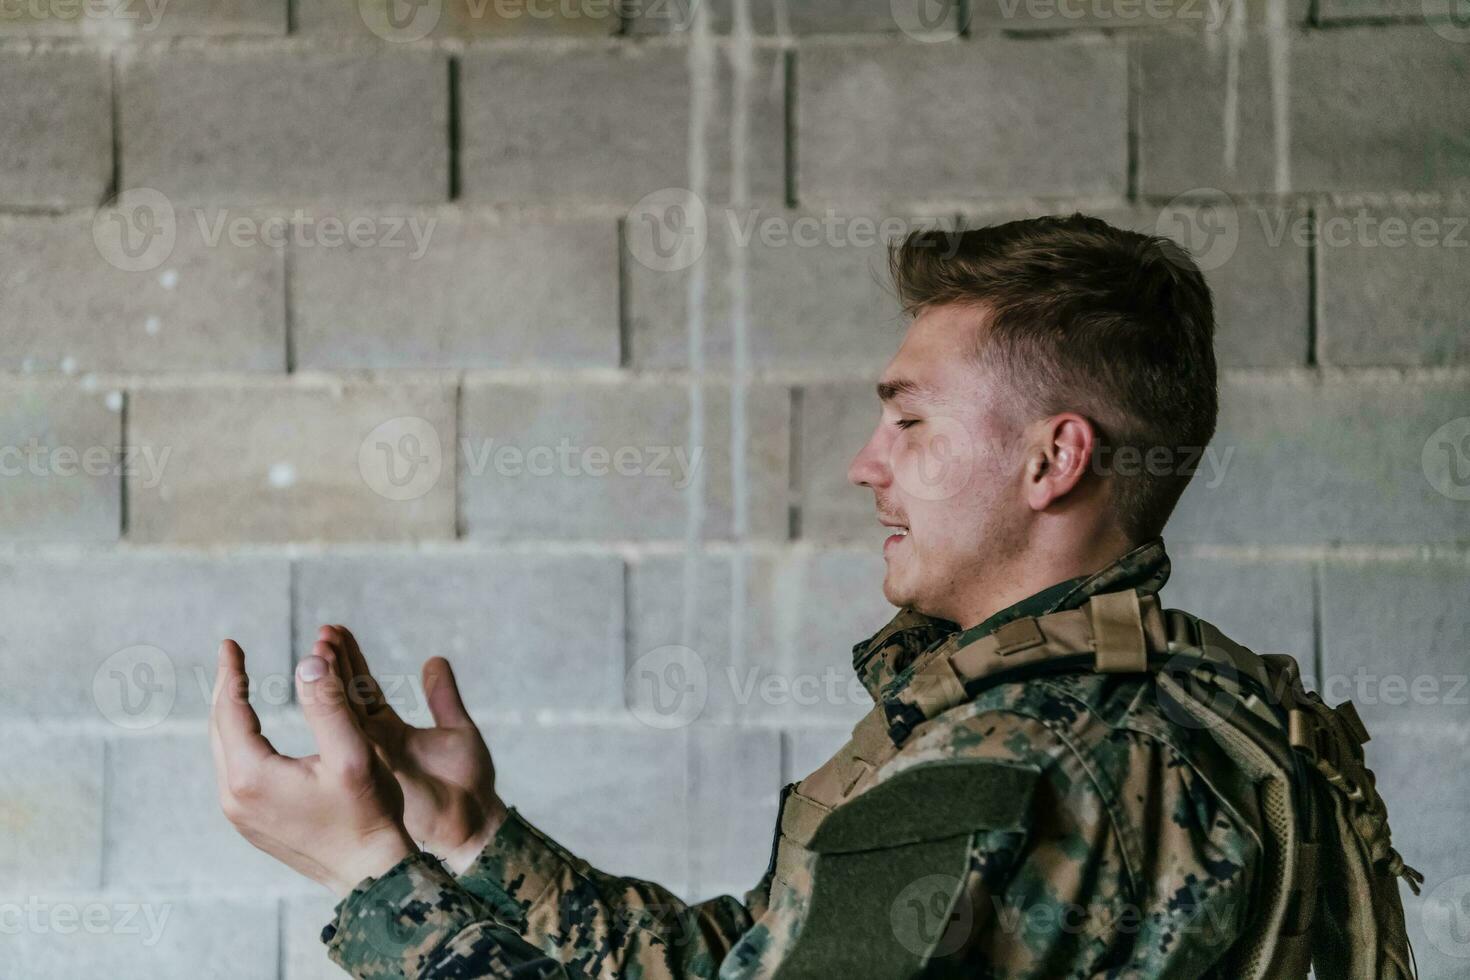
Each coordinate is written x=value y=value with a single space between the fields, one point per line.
x=608 y=125
x=1182 y=15
x=1302 y=462
x=57 y=149
x=230 y=126
x=1267 y=606
x=1394 y=640
x=60 y=463
x=867 y=118
x=189 y=302
x=1437 y=12
x=1195 y=134
x=127 y=934
x=461 y=19
x=1420 y=771
x=805 y=610
x=523 y=632
x=462 y=292
x=1344 y=130
x=1353 y=131
x=735 y=784
x=1255 y=259
x=165 y=828
x=304 y=955
x=808 y=749
x=120 y=20
x=287 y=462
x=52 y=788
x=810 y=17
x=615 y=795
x=836 y=420
x=1393 y=286
x=613 y=461
x=817 y=290
x=134 y=640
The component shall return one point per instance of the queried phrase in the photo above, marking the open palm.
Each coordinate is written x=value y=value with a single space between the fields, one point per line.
x=446 y=772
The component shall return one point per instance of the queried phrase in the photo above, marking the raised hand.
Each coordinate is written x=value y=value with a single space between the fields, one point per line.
x=446 y=773
x=336 y=817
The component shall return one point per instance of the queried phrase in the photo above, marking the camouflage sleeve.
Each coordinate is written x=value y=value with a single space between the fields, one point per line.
x=607 y=926
x=416 y=923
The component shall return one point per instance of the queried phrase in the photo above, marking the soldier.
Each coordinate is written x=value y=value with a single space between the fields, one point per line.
x=1034 y=794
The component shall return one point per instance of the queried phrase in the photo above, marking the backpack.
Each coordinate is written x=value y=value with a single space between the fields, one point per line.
x=1325 y=821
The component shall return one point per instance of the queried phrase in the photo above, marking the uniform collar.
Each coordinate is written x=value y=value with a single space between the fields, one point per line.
x=884 y=662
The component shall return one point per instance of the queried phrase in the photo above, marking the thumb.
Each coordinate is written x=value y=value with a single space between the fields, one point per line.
x=339 y=741
x=442 y=692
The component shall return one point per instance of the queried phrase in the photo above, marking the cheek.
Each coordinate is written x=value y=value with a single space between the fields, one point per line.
x=935 y=462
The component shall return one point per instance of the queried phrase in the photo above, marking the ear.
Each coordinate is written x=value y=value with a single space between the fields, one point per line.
x=1058 y=457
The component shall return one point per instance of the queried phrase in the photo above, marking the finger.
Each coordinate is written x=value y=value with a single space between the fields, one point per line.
x=339 y=740
x=366 y=693
x=233 y=722
x=442 y=691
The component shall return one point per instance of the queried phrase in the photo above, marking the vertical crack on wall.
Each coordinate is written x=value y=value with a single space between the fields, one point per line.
x=793 y=468
x=790 y=121
x=122 y=478
x=1134 y=94
x=1313 y=290
x=742 y=73
x=1317 y=656
x=280 y=939
x=702 y=80
x=459 y=488
x=105 y=804
x=625 y=307
x=453 y=127
x=114 y=178
x=293 y=600
x=288 y=322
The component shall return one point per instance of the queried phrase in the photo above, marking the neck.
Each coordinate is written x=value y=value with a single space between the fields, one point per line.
x=1041 y=565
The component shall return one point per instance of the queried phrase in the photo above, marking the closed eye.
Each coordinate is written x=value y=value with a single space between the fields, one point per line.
x=907 y=423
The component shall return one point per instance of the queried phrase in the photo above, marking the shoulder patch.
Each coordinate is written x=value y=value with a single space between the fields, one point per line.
x=929 y=802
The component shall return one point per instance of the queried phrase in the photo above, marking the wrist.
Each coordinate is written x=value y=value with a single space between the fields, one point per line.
x=374 y=857
x=461 y=857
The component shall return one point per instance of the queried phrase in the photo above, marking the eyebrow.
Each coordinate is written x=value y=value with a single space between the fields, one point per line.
x=889 y=390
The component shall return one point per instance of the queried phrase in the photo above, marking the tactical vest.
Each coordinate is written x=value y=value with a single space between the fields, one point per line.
x=1323 y=819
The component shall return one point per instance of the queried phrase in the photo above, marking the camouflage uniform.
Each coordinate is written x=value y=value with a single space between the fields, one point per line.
x=1057 y=827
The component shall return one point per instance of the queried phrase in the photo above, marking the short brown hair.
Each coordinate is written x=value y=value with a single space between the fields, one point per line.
x=1086 y=317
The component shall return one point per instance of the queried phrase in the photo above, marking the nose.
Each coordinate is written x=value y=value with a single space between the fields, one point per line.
x=869 y=468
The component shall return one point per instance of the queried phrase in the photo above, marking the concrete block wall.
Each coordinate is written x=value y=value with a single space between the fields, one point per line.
x=312 y=313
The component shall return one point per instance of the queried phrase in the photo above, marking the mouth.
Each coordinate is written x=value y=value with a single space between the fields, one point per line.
x=899 y=535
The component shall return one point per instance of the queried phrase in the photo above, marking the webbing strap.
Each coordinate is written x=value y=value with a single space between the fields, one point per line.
x=1117 y=633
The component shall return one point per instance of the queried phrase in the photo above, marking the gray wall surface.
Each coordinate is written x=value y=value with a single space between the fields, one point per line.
x=539 y=335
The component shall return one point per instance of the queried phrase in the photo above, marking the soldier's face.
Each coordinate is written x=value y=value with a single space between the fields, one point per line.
x=945 y=466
